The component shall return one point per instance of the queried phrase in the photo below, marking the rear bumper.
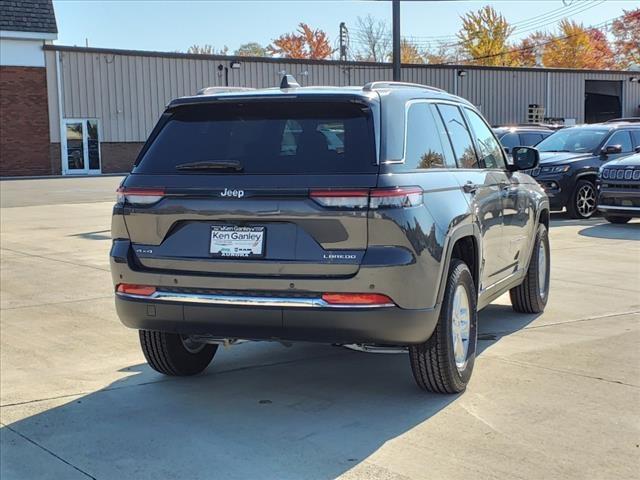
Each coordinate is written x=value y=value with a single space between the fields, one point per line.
x=382 y=325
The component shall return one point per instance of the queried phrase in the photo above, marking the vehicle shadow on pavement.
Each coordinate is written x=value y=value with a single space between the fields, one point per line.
x=260 y=411
x=628 y=231
x=313 y=412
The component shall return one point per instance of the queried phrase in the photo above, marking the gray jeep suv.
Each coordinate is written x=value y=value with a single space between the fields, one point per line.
x=383 y=215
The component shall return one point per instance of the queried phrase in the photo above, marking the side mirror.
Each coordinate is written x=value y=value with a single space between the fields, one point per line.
x=637 y=149
x=524 y=158
x=611 y=149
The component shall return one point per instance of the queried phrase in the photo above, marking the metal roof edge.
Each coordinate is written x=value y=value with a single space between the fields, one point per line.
x=235 y=58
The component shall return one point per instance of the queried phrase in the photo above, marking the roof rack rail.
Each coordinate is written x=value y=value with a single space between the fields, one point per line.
x=213 y=90
x=381 y=84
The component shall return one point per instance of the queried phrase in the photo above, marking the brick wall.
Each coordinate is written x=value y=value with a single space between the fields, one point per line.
x=116 y=157
x=24 y=122
x=119 y=157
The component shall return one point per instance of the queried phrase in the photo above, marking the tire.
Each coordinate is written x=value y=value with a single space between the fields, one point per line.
x=612 y=219
x=532 y=294
x=434 y=362
x=167 y=353
x=583 y=203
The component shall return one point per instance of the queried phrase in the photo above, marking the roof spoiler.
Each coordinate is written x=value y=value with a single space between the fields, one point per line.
x=214 y=90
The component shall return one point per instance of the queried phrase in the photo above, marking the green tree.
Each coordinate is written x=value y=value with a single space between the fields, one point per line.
x=251 y=49
x=485 y=33
x=207 y=49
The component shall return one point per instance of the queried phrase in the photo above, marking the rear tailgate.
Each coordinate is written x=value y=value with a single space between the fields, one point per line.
x=260 y=221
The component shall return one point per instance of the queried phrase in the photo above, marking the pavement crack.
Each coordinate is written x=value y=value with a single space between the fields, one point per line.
x=502 y=333
x=57 y=303
x=567 y=372
x=55 y=259
x=53 y=454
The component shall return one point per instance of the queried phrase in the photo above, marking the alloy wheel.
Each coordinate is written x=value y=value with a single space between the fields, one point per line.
x=460 y=326
x=586 y=200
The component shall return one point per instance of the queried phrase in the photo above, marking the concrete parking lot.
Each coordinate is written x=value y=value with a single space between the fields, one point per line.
x=553 y=396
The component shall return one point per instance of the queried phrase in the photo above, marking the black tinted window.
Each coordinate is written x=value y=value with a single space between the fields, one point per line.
x=491 y=151
x=621 y=138
x=460 y=136
x=266 y=138
x=425 y=148
x=510 y=140
x=530 y=139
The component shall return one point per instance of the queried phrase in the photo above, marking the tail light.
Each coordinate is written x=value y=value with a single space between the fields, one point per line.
x=132 y=289
x=139 y=196
x=374 y=198
x=341 y=198
x=363 y=299
x=395 y=197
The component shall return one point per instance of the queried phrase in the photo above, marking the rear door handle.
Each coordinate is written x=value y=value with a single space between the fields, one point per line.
x=470 y=187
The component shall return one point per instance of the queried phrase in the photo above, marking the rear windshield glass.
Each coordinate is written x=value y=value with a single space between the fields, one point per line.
x=264 y=138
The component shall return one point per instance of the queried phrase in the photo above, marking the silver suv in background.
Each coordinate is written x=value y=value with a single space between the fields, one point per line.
x=378 y=215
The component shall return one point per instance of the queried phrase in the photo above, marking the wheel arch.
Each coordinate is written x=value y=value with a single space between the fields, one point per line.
x=465 y=244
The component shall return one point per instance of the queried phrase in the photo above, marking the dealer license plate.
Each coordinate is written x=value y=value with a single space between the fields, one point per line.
x=231 y=241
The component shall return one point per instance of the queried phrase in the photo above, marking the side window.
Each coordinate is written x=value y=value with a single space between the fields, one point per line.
x=459 y=135
x=490 y=150
x=635 y=136
x=621 y=137
x=425 y=148
x=530 y=139
x=510 y=140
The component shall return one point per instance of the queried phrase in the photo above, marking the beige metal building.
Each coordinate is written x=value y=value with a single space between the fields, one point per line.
x=103 y=103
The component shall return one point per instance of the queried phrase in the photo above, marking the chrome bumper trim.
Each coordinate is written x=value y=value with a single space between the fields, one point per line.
x=246 y=301
x=613 y=207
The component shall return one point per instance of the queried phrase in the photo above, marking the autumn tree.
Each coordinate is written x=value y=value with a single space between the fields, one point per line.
x=626 y=33
x=528 y=52
x=484 y=36
x=442 y=53
x=409 y=53
x=303 y=43
x=577 y=47
x=251 y=49
x=207 y=49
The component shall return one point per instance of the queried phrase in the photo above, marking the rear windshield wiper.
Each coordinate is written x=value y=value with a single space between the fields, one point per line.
x=212 y=165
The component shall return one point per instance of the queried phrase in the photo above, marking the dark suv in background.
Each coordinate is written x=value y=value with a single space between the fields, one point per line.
x=570 y=160
x=619 y=189
x=382 y=215
x=518 y=135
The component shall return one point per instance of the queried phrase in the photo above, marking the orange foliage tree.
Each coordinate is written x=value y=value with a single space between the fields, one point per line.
x=303 y=43
x=578 y=47
x=626 y=32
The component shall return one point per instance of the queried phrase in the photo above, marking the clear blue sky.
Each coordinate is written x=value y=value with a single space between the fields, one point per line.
x=175 y=25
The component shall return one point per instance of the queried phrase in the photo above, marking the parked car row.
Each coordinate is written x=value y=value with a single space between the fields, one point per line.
x=571 y=159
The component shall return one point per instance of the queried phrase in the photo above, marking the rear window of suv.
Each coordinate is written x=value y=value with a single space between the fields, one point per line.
x=264 y=138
